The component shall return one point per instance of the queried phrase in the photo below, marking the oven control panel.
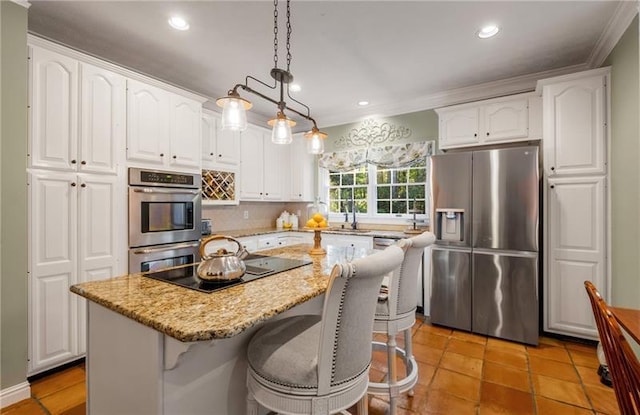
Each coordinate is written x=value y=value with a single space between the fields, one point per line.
x=145 y=177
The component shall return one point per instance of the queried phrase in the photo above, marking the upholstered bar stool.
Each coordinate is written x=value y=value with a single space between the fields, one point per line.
x=319 y=364
x=397 y=314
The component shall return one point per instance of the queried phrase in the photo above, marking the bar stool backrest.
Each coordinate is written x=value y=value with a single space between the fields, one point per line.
x=621 y=360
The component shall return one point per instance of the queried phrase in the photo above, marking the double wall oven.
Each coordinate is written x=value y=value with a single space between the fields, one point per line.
x=165 y=210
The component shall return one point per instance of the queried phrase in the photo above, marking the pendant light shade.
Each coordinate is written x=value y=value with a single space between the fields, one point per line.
x=315 y=141
x=234 y=115
x=281 y=133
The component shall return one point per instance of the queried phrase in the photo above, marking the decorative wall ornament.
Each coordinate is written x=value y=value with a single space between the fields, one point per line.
x=371 y=132
x=389 y=156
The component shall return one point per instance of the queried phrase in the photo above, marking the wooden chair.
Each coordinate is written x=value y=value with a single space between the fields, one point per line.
x=319 y=364
x=621 y=360
x=397 y=314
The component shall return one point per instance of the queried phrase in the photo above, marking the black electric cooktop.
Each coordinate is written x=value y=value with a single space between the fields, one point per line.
x=258 y=266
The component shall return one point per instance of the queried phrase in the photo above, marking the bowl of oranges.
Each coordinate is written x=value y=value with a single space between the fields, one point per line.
x=316 y=221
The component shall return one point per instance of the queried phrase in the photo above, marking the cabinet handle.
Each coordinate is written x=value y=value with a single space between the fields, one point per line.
x=83 y=162
x=487 y=133
x=219 y=155
x=73 y=184
x=475 y=134
x=73 y=162
x=553 y=168
x=552 y=186
x=83 y=185
x=175 y=157
x=211 y=154
x=161 y=154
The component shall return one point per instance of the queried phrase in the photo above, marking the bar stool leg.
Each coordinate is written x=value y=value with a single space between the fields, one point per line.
x=362 y=407
x=408 y=348
x=393 y=374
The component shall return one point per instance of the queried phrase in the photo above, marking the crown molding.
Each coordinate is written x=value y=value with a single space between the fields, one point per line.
x=618 y=24
x=510 y=86
x=33 y=40
x=23 y=3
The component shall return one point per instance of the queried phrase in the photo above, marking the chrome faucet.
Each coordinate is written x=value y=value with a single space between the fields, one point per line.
x=354 y=224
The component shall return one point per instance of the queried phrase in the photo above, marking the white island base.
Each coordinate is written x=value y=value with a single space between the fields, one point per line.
x=134 y=369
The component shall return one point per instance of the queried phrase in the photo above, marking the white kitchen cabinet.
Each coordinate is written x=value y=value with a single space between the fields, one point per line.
x=500 y=120
x=163 y=128
x=301 y=171
x=74 y=223
x=575 y=123
x=263 y=168
x=365 y=242
x=576 y=252
x=60 y=139
x=220 y=149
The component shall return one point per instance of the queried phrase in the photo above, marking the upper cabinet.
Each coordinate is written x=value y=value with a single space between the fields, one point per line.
x=301 y=170
x=220 y=149
x=163 y=128
x=77 y=116
x=264 y=167
x=500 y=120
x=575 y=124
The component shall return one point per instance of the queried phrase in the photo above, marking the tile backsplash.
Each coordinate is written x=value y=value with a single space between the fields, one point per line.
x=260 y=215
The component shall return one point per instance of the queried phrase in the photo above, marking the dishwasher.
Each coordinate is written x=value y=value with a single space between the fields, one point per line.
x=381 y=243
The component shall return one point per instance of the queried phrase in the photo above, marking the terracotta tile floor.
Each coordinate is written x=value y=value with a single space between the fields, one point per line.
x=459 y=374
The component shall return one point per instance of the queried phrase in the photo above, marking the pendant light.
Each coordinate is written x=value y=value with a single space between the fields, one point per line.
x=234 y=107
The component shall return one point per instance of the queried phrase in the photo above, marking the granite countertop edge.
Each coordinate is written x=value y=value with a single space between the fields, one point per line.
x=239 y=233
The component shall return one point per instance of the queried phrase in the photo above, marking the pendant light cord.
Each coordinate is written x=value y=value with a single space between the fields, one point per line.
x=288 y=35
x=275 y=33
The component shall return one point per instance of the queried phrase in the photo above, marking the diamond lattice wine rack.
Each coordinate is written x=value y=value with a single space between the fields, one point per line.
x=219 y=187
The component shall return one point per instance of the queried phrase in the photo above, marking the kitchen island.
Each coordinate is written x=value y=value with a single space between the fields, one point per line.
x=157 y=348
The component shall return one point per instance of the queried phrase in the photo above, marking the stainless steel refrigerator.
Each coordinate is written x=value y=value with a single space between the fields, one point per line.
x=485 y=258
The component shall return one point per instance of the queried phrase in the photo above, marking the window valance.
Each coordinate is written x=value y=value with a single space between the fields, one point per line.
x=393 y=156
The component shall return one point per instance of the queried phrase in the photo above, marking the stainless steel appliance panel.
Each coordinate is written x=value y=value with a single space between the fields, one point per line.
x=451 y=287
x=153 y=258
x=505 y=199
x=451 y=194
x=505 y=295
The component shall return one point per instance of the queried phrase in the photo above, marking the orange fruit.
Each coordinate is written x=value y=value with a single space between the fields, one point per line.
x=322 y=224
x=312 y=223
x=318 y=217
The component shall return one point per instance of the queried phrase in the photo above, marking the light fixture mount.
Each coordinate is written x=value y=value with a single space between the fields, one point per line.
x=234 y=106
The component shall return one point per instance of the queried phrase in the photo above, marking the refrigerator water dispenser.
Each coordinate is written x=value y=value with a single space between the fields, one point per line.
x=450 y=224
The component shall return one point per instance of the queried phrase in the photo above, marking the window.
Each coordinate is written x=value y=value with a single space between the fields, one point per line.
x=378 y=192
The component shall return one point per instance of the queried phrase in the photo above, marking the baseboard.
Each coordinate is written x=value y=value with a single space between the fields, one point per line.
x=15 y=394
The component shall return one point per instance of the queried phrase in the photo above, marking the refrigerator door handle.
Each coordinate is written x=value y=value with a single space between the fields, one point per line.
x=450 y=248
x=524 y=254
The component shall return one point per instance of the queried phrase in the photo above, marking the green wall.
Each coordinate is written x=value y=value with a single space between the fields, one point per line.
x=625 y=173
x=423 y=126
x=13 y=194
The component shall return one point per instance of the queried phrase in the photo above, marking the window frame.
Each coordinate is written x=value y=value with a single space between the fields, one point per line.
x=376 y=218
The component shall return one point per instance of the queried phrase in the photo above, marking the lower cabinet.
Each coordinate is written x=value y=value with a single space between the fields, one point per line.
x=575 y=251
x=73 y=238
x=365 y=242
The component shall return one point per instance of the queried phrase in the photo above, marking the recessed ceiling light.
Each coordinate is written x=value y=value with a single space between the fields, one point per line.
x=488 y=31
x=295 y=88
x=178 y=23
x=363 y=103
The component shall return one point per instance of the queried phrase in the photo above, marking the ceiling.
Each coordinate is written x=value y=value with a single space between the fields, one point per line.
x=401 y=56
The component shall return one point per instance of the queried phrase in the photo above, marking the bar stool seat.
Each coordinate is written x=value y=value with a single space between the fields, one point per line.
x=397 y=314
x=320 y=364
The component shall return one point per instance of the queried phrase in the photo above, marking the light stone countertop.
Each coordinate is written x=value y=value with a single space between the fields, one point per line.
x=189 y=315
x=238 y=233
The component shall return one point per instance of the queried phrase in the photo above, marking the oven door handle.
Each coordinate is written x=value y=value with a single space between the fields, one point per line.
x=163 y=191
x=163 y=249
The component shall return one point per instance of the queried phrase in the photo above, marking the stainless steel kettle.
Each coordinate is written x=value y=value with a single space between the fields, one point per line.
x=221 y=265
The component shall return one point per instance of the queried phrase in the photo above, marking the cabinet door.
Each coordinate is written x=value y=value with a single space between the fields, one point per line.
x=54 y=110
x=251 y=180
x=459 y=127
x=505 y=120
x=576 y=252
x=227 y=147
x=301 y=171
x=276 y=170
x=52 y=253
x=575 y=126
x=186 y=119
x=98 y=236
x=102 y=115
x=208 y=131
x=147 y=123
